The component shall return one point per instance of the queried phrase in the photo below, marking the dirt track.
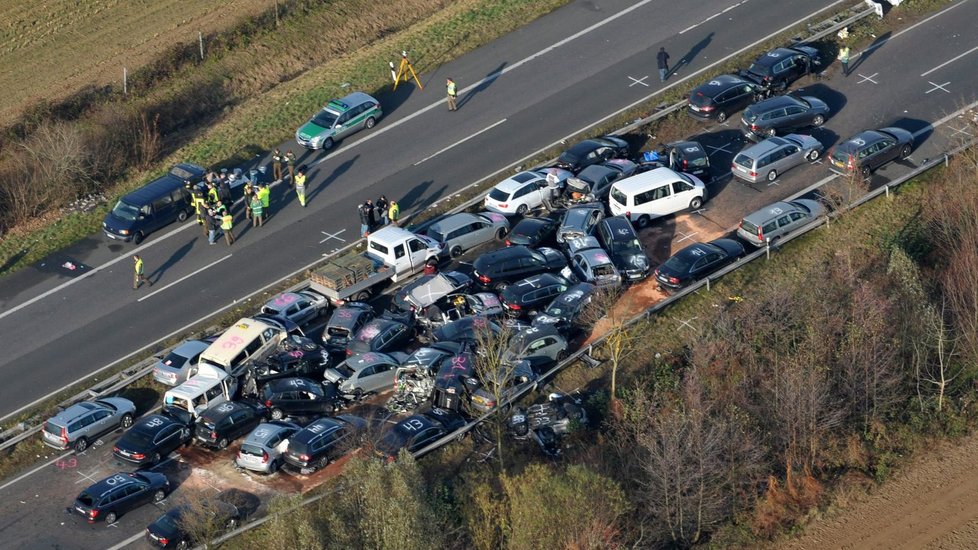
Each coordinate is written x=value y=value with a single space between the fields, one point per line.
x=931 y=503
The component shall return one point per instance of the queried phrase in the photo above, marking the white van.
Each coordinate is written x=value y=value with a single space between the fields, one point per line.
x=401 y=249
x=244 y=340
x=660 y=192
x=209 y=387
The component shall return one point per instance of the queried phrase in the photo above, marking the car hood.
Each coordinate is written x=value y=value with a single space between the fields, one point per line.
x=901 y=134
x=817 y=104
x=554 y=257
x=310 y=130
x=632 y=261
x=116 y=224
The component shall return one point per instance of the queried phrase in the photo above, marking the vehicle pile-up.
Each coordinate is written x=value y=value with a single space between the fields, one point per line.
x=292 y=399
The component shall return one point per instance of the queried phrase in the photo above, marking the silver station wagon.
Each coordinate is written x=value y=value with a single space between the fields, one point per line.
x=774 y=156
x=775 y=221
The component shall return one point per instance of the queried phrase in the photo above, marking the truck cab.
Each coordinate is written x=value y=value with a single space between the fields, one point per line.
x=209 y=387
x=402 y=250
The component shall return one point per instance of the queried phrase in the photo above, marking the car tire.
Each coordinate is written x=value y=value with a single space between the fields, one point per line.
x=222 y=443
x=696 y=203
x=522 y=210
x=358 y=394
x=905 y=152
x=772 y=175
x=156 y=459
x=561 y=355
x=370 y=123
x=182 y=216
x=455 y=251
x=80 y=445
x=277 y=414
x=498 y=288
x=183 y=545
x=643 y=221
x=866 y=172
x=501 y=233
x=110 y=518
x=363 y=296
x=328 y=144
x=274 y=466
x=813 y=155
x=159 y=495
x=138 y=237
x=126 y=421
x=818 y=120
x=721 y=117
x=322 y=463
x=771 y=132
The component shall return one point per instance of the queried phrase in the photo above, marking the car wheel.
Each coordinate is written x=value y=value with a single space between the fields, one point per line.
x=277 y=414
x=358 y=394
x=322 y=463
x=183 y=545
x=501 y=233
x=813 y=155
x=126 y=421
x=138 y=237
x=111 y=517
x=182 y=216
x=223 y=443
x=772 y=175
x=363 y=296
x=721 y=117
x=156 y=459
x=771 y=132
x=818 y=120
x=159 y=495
x=80 y=445
x=643 y=222
x=455 y=251
x=232 y=524
x=696 y=203
x=370 y=123
x=905 y=152
x=866 y=172
x=522 y=210
x=328 y=144
x=274 y=466
x=498 y=288
x=561 y=355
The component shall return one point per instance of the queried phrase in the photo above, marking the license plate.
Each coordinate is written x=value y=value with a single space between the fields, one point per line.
x=837 y=163
x=81 y=510
x=741 y=168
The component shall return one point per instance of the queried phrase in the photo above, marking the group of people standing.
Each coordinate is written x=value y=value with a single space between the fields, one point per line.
x=377 y=215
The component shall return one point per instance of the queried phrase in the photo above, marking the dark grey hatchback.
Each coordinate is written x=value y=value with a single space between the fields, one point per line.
x=697 y=261
x=782 y=114
x=721 y=96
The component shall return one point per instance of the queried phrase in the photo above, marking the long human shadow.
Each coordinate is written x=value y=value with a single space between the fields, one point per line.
x=691 y=54
x=870 y=50
x=486 y=82
x=171 y=261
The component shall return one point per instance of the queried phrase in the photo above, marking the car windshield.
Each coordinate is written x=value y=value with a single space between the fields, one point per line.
x=436 y=235
x=86 y=499
x=576 y=217
x=345 y=370
x=125 y=211
x=618 y=196
x=138 y=438
x=680 y=263
x=175 y=358
x=743 y=160
x=251 y=449
x=498 y=194
x=759 y=70
x=557 y=308
x=630 y=245
x=802 y=102
x=750 y=115
x=324 y=119
x=167 y=523
x=393 y=441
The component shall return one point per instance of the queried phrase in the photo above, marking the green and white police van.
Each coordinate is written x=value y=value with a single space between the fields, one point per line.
x=338 y=119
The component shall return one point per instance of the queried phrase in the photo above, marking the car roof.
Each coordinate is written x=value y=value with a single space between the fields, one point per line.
x=868 y=136
x=426 y=422
x=576 y=293
x=317 y=429
x=266 y=430
x=777 y=55
x=346 y=317
x=517 y=181
x=652 y=178
x=526 y=335
x=533 y=224
x=455 y=221
x=596 y=256
x=283 y=300
x=74 y=411
x=534 y=282
x=689 y=149
x=718 y=84
x=296 y=382
x=776 y=102
x=519 y=251
x=596 y=172
x=764 y=147
x=765 y=214
x=152 y=424
x=224 y=409
x=165 y=184
x=348 y=101
x=615 y=223
x=111 y=482
x=364 y=360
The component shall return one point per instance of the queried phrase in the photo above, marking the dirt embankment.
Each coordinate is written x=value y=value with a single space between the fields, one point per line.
x=930 y=503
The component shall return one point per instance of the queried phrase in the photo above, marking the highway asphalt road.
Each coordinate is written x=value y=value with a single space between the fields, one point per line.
x=555 y=76
x=903 y=89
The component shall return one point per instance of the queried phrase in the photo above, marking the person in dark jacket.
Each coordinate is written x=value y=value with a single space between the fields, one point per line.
x=382 y=207
x=663 y=58
x=366 y=218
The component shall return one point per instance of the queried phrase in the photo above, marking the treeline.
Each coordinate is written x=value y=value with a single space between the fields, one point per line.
x=850 y=349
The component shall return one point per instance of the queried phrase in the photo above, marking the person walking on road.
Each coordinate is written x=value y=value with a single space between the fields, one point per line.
x=265 y=196
x=300 y=186
x=227 y=223
x=290 y=162
x=366 y=218
x=663 y=59
x=452 y=94
x=393 y=213
x=277 y=164
x=844 y=59
x=382 y=209
x=256 y=211
x=139 y=277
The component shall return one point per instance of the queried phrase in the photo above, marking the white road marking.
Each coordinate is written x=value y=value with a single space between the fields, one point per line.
x=35 y=470
x=908 y=29
x=868 y=78
x=717 y=14
x=949 y=61
x=720 y=148
x=685 y=236
x=937 y=87
x=185 y=277
x=128 y=541
x=638 y=81
x=487 y=176
x=333 y=236
x=942 y=120
x=461 y=141
x=725 y=10
x=959 y=131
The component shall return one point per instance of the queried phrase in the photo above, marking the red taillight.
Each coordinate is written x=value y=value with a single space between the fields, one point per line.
x=753 y=174
x=64 y=435
x=754 y=127
x=685 y=164
x=164 y=541
x=264 y=457
x=484 y=279
x=503 y=205
x=304 y=458
x=268 y=403
x=92 y=514
x=349 y=353
x=851 y=165
x=213 y=435
x=514 y=307
x=707 y=108
x=508 y=243
x=760 y=234
x=674 y=280
x=139 y=456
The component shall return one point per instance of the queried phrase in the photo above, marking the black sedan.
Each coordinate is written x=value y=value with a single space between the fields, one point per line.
x=528 y=295
x=300 y=396
x=152 y=438
x=499 y=268
x=175 y=528
x=697 y=261
x=322 y=442
x=721 y=97
x=220 y=425
x=592 y=151
x=866 y=151
x=778 y=68
x=533 y=232
x=380 y=335
x=117 y=494
x=417 y=431
x=344 y=323
x=782 y=114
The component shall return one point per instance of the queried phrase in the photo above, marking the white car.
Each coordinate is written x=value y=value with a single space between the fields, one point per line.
x=525 y=191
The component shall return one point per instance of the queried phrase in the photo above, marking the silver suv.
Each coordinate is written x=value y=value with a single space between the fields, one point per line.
x=262 y=450
x=774 y=221
x=81 y=423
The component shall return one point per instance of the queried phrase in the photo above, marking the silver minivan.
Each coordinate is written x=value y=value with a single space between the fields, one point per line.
x=774 y=221
x=460 y=232
x=774 y=156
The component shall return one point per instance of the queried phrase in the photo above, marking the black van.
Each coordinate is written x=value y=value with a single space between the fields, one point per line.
x=152 y=206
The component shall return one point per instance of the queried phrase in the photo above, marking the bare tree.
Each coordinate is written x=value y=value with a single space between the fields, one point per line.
x=495 y=375
x=935 y=357
x=202 y=517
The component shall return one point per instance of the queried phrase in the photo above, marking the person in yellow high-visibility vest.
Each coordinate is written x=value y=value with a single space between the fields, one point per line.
x=393 y=213
x=452 y=94
x=139 y=276
x=300 y=185
x=265 y=196
x=199 y=205
x=227 y=222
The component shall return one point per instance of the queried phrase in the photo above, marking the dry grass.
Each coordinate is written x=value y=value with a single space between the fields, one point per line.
x=66 y=45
